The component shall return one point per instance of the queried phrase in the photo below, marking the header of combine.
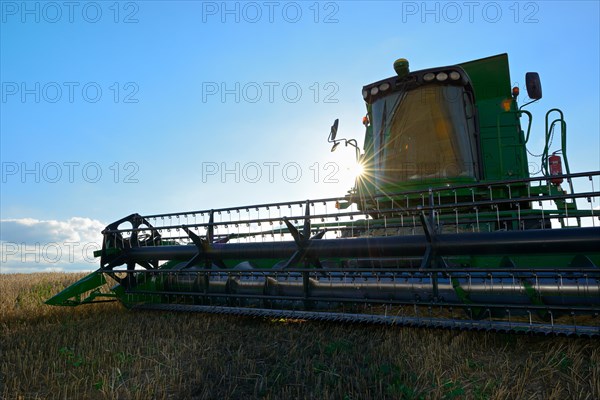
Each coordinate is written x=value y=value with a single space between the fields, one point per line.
x=445 y=226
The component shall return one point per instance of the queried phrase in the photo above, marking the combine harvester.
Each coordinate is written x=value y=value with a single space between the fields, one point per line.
x=444 y=228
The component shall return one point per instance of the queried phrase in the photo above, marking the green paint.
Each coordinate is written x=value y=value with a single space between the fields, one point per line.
x=72 y=295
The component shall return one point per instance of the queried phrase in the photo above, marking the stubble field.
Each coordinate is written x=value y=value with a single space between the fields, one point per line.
x=104 y=351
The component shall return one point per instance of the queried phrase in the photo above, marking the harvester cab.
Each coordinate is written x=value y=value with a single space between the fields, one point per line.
x=445 y=227
x=450 y=126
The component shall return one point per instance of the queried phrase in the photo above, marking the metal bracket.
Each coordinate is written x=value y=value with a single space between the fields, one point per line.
x=303 y=241
x=204 y=249
x=109 y=260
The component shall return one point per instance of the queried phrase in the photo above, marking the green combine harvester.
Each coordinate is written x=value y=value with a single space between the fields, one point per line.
x=445 y=227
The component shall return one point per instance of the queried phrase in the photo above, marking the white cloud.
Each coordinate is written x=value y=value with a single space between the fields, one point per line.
x=31 y=245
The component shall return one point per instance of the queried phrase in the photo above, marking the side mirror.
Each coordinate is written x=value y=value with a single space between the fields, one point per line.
x=334 y=129
x=534 y=85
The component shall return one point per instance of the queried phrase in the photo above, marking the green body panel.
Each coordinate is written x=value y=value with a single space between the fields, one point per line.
x=502 y=142
x=490 y=77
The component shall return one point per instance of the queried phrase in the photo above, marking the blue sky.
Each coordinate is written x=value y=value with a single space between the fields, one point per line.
x=110 y=108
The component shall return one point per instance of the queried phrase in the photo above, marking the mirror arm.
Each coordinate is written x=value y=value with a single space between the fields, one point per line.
x=354 y=143
x=526 y=104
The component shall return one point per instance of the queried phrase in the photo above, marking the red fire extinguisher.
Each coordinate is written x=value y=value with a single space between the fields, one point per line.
x=555 y=166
